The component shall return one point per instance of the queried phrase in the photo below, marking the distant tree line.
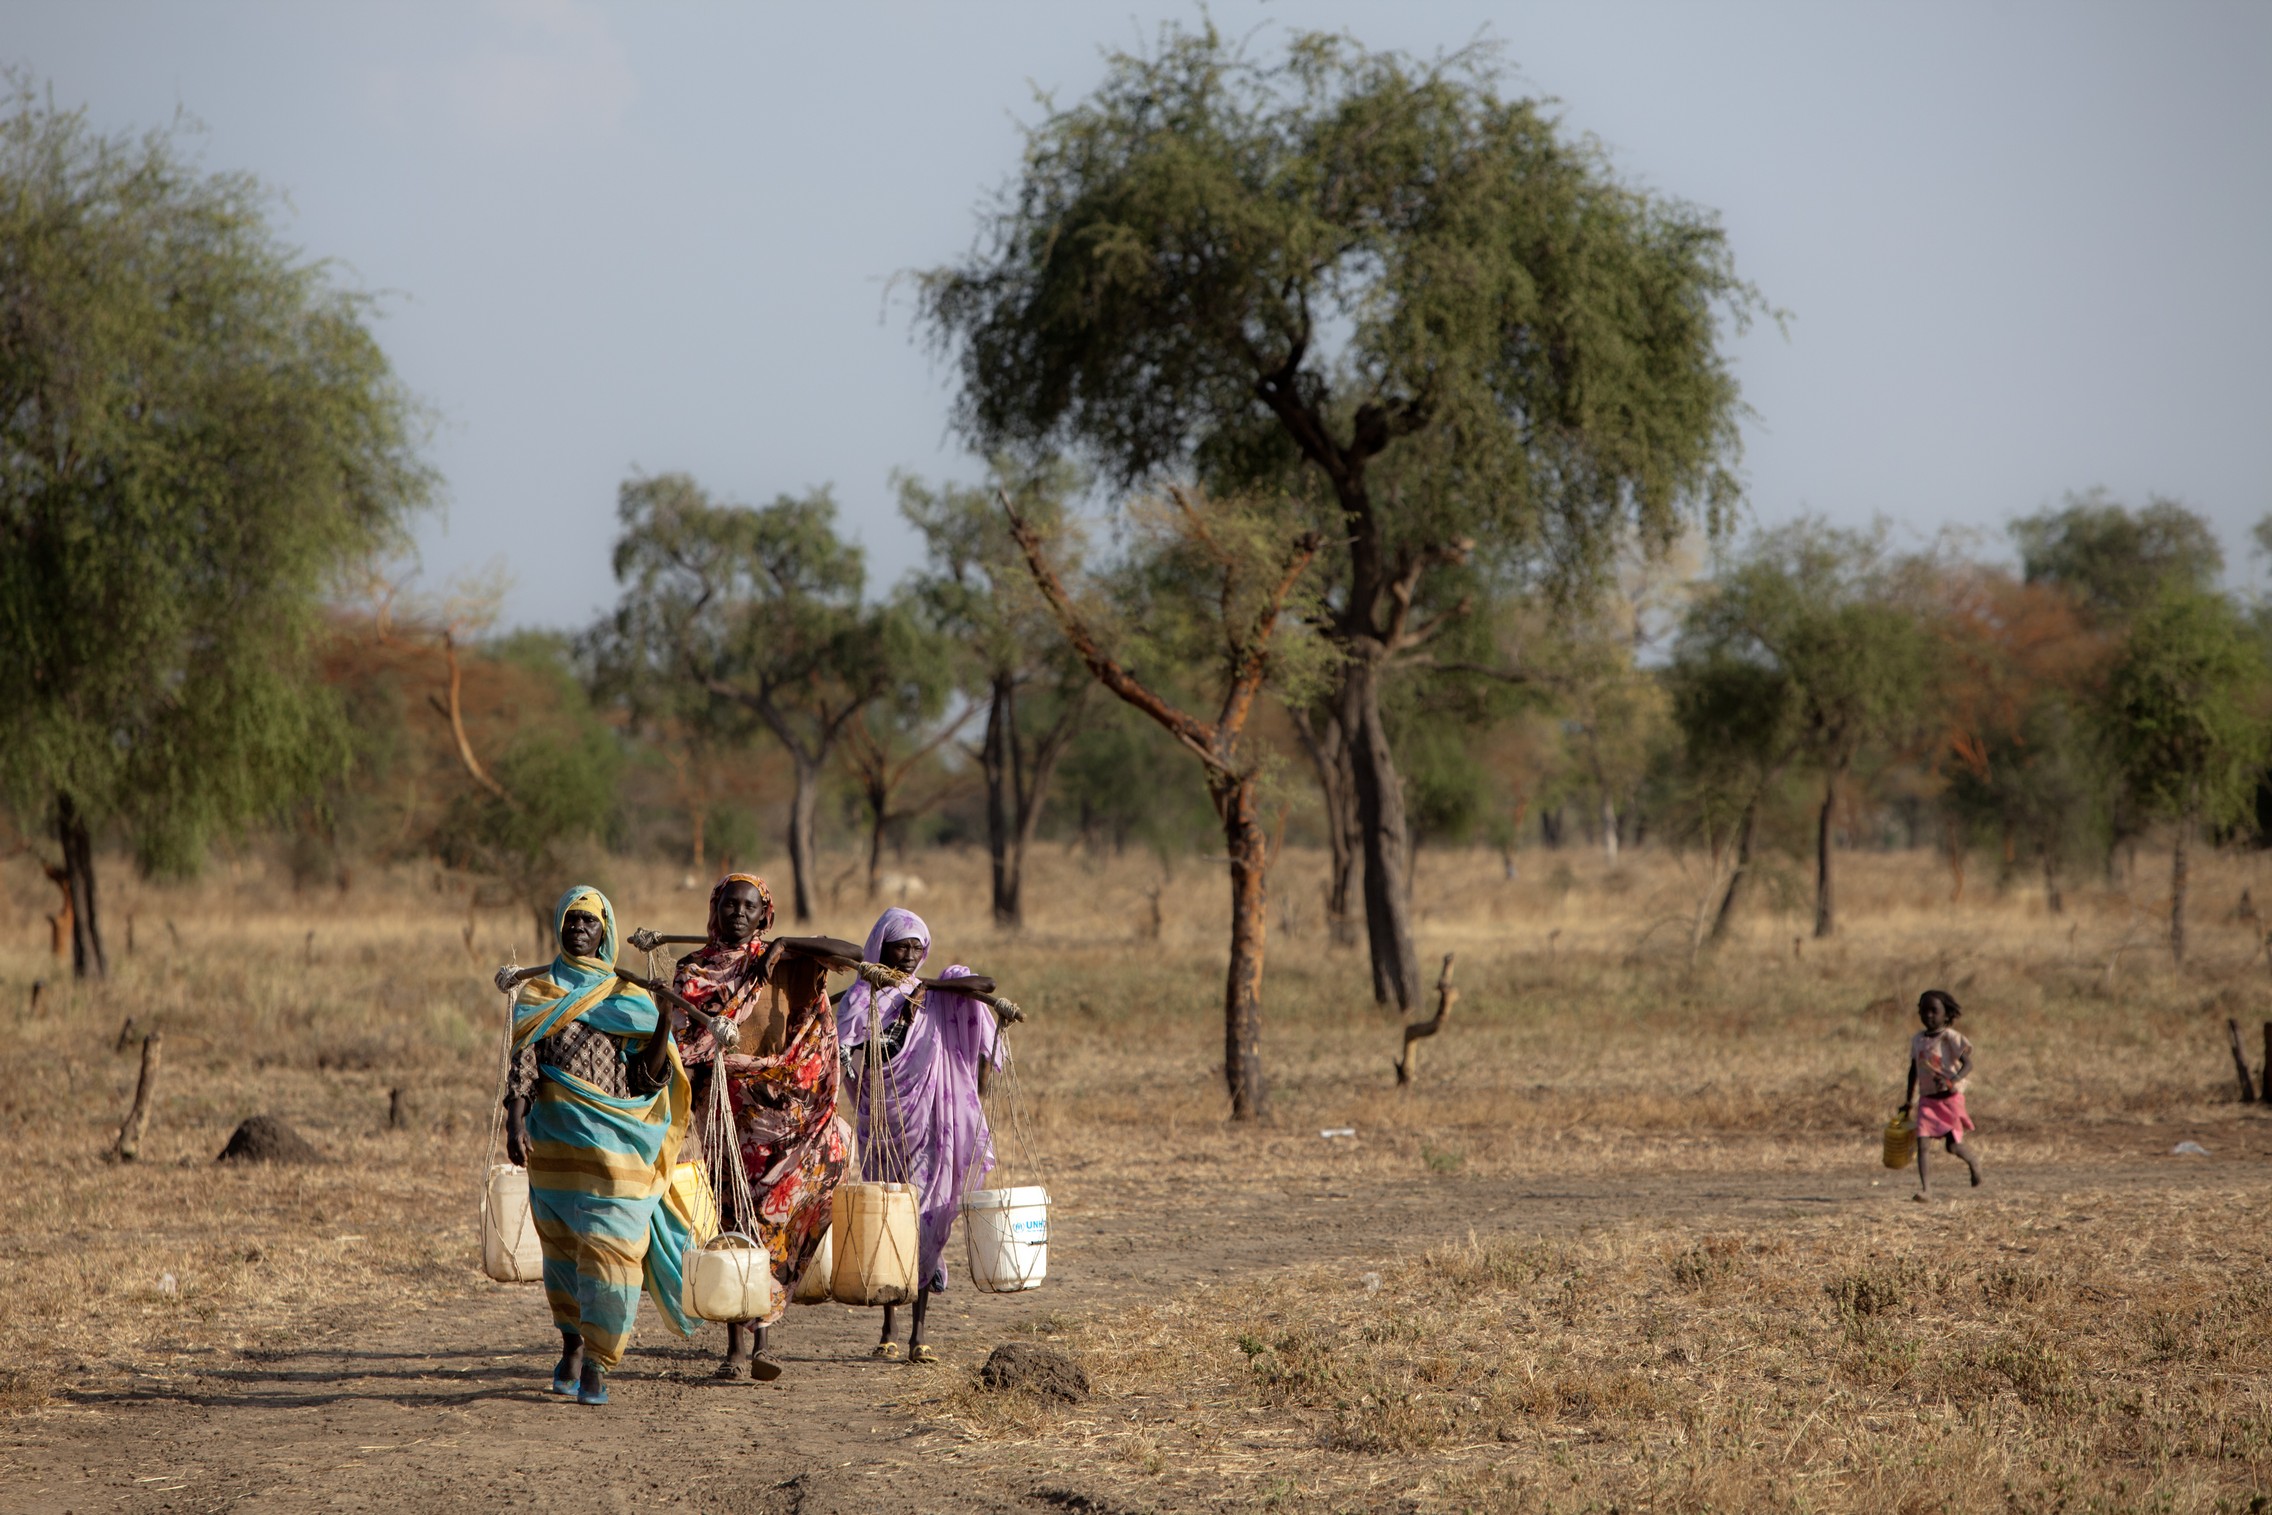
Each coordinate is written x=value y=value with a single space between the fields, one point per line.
x=1360 y=472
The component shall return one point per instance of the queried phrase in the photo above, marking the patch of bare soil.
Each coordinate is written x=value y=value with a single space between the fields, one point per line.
x=447 y=1410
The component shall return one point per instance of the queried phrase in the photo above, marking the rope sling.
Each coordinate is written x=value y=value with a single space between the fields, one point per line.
x=1012 y=1254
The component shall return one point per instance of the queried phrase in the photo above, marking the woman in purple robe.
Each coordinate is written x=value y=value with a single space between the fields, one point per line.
x=927 y=1047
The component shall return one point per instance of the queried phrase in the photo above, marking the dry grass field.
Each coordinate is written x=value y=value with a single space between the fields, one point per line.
x=2091 y=1330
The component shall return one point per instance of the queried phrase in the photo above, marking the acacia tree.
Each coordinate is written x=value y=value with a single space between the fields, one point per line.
x=2184 y=715
x=760 y=609
x=198 y=432
x=975 y=589
x=891 y=742
x=2022 y=675
x=1374 y=274
x=1820 y=611
x=2113 y=560
x=552 y=788
x=1209 y=592
x=1737 y=717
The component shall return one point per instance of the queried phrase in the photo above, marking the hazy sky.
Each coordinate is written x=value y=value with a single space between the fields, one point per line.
x=2026 y=248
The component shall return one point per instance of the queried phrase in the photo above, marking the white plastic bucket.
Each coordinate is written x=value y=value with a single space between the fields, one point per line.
x=729 y=1278
x=510 y=1251
x=1007 y=1233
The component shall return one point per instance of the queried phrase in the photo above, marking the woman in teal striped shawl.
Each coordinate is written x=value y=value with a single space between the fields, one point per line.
x=598 y=1108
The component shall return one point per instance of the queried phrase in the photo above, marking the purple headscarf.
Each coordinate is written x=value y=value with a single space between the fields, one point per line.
x=894 y=925
x=935 y=1134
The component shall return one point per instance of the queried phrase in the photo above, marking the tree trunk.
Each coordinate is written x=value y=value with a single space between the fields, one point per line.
x=1609 y=828
x=2053 y=899
x=1330 y=760
x=701 y=823
x=71 y=833
x=1386 y=839
x=804 y=809
x=1249 y=852
x=997 y=757
x=2178 y=870
x=1825 y=913
x=878 y=818
x=1742 y=875
x=1031 y=795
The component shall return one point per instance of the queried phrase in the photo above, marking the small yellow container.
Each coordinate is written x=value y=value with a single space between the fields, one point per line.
x=1900 y=1141
x=695 y=1201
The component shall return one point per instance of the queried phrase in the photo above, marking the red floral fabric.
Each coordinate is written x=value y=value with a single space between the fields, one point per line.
x=783 y=1100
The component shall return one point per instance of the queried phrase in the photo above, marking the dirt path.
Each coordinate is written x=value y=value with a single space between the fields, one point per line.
x=444 y=1411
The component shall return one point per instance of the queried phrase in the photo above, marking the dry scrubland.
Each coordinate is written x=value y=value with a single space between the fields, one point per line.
x=2092 y=1349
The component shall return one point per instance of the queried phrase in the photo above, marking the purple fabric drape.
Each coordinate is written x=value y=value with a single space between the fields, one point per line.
x=933 y=1134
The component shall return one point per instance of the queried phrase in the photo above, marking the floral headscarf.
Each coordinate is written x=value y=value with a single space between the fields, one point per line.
x=720 y=977
x=764 y=904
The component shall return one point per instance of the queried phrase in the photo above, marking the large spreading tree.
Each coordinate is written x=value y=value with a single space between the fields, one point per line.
x=1380 y=282
x=197 y=432
x=755 y=615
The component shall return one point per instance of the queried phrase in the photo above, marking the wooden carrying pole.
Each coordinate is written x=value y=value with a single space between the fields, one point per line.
x=138 y=1119
x=1445 y=994
x=2240 y=1064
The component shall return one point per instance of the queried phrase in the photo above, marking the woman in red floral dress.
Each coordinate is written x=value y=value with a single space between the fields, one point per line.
x=781 y=1086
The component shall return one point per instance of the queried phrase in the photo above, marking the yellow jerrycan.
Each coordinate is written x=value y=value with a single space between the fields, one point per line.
x=873 y=1233
x=1900 y=1141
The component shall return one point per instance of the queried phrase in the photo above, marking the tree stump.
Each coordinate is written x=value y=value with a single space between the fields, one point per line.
x=1408 y=1062
x=129 y=1143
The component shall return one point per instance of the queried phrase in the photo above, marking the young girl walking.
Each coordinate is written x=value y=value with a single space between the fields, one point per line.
x=1940 y=1060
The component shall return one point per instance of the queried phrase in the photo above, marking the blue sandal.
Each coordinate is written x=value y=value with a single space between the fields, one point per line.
x=564 y=1387
x=596 y=1396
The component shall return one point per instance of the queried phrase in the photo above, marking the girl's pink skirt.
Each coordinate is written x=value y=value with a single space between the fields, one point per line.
x=1943 y=1116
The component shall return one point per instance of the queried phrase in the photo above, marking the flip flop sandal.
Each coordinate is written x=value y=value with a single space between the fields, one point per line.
x=764 y=1370
x=564 y=1387
x=922 y=1354
x=596 y=1396
x=888 y=1351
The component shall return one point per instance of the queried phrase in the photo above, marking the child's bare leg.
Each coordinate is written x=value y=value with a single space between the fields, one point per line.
x=1924 y=1184
x=1970 y=1162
